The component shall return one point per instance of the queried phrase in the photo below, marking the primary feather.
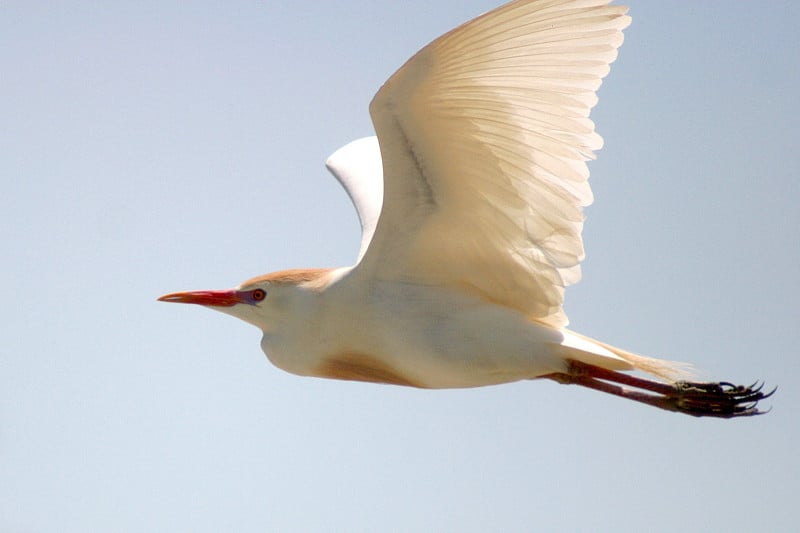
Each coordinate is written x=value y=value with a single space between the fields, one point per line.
x=484 y=135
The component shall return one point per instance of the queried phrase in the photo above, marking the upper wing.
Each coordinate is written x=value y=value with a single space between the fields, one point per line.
x=484 y=135
x=357 y=166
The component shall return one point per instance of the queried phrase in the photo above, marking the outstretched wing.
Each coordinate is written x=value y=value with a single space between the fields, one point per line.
x=357 y=166
x=484 y=136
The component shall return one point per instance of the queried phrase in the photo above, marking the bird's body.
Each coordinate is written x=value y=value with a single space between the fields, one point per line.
x=470 y=201
x=336 y=326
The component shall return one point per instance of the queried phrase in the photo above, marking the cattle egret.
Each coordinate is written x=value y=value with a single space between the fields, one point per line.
x=470 y=201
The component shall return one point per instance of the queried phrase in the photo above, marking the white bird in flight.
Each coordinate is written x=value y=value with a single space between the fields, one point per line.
x=470 y=201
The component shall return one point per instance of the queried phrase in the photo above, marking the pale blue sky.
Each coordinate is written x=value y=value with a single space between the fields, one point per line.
x=154 y=146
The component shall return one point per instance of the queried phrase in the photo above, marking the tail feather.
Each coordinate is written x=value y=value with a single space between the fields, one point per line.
x=670 y=371
x=664 y=369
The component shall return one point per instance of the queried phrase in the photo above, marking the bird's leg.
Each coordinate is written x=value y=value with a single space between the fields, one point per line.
x=723 y=400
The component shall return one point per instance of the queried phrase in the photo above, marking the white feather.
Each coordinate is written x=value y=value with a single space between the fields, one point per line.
x=485 y=136
x=358 y=168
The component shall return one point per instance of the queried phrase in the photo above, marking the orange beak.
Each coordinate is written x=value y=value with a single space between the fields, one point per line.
x=224 y=298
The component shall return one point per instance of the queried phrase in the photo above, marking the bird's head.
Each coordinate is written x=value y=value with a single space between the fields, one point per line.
x=261 y=301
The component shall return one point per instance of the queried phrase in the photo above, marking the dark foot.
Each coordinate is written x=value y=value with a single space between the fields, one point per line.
x=722 y=400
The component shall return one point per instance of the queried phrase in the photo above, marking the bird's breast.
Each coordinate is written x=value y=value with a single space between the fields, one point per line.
x=404 y=334
x=354 y=366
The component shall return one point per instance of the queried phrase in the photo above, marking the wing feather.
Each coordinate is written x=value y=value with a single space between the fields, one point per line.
x=484 y=136
x=358 y=168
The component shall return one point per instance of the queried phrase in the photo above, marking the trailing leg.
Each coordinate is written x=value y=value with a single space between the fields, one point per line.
x=722 y=400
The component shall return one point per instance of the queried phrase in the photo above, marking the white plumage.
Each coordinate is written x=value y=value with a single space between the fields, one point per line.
x=358 y=168
x=465 y=206
x=470 y=201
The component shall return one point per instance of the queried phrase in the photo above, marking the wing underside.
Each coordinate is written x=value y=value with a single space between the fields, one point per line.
x=484 y=137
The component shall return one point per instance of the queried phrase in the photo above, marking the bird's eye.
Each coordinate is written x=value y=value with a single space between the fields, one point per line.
x=259 y=294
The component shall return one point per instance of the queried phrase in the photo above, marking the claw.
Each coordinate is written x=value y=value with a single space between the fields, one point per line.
x=721 y=399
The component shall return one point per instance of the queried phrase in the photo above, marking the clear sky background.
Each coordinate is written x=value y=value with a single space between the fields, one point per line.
x=148 y=147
